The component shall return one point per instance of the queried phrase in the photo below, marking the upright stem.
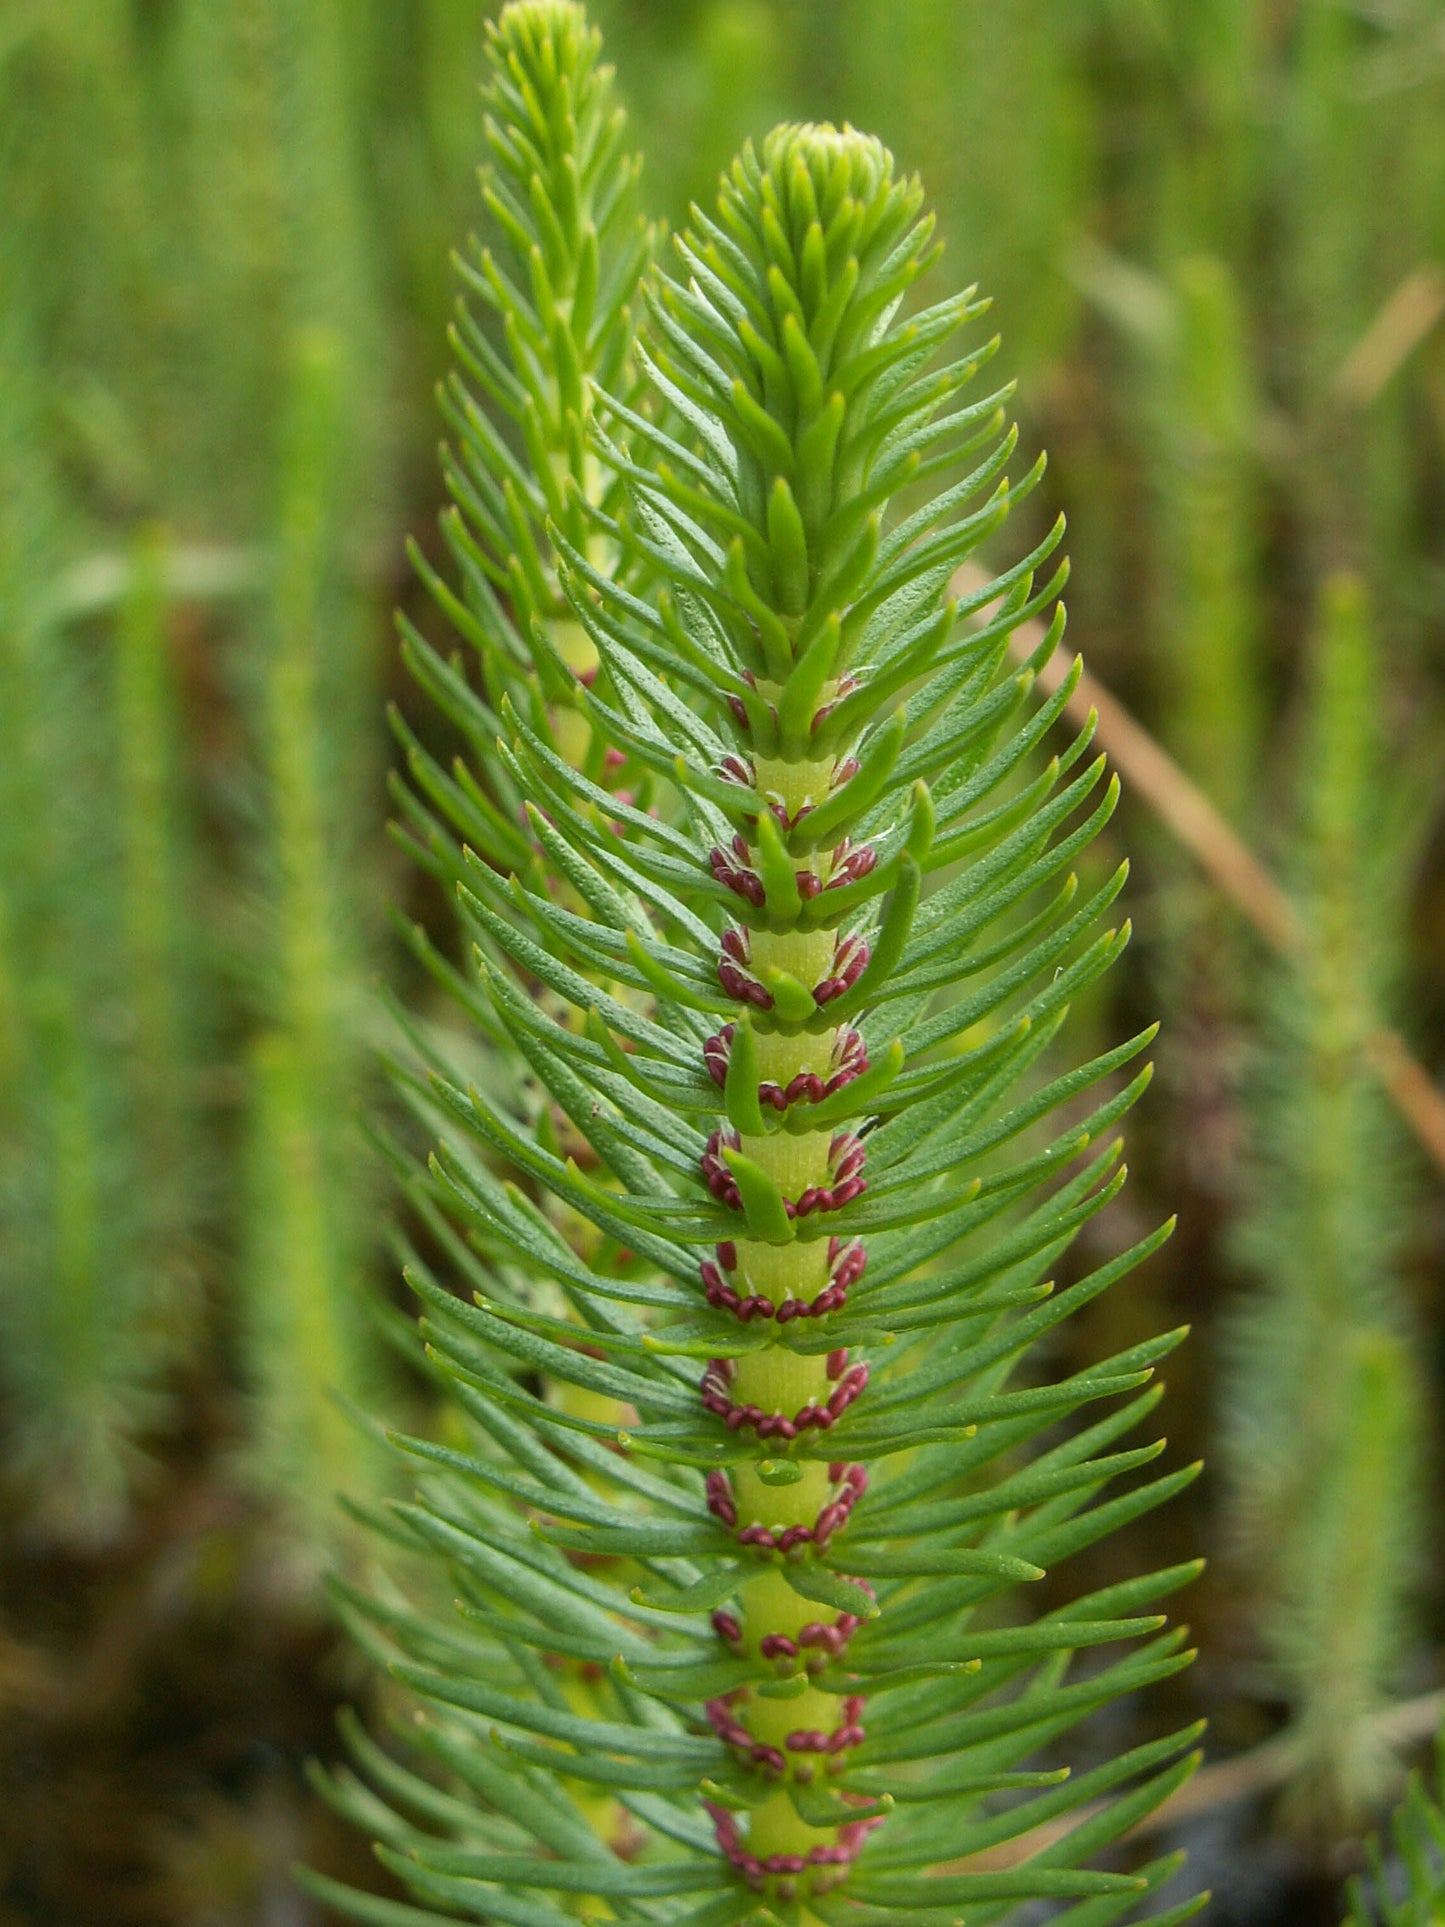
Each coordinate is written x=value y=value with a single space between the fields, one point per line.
x=781 y=1392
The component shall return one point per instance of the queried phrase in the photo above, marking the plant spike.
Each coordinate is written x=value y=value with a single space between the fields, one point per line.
x=768 y=1224
x=96 y=1292
x=1210 y=710
x=1324 y=1402
x=559 y=289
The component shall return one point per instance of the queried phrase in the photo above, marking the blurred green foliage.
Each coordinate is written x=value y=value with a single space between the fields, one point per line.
x=1215 y=235
x=309 y=1345
x=1407 y=1889
x=1325 y=1440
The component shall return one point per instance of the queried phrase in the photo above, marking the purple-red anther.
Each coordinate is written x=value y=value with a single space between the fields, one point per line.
x=847 y=1263
x=713 y=1389
x=846 y=1158
x=827 y=1523
x=716 y=1053
x=736 y=703
x=716 y=1175
x=733 y=769
x=739 y=707
x=807 y=1739
x=847 y=1733
x=732 y=1733
x=783 y=817
x=850 y=1060
x=850 y=1056
x=746 y=989
x=778 y=1646
x=714 y=1385
x=719 y=1294
x=833 y=1639
x=835 y=1515
x=744 y=881
x=821 y=716
x=786 y=1867
x=792 y=1308
x=850 y=865
x=849 y=1387
x=845 y=772
x=720 y=1503
x=732 y=972
x=850 y=959
x=728 y=1628
x=846 y=1154
x=848 y=1267
x=854 y=1483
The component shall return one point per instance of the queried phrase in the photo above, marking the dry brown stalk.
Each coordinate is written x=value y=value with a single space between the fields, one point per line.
x=1225 y=858
x=1405 y=320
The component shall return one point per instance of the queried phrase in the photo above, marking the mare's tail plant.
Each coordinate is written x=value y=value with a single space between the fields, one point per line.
x=1324 y=1396
x=1210 y=682
x=753 y=1449
x=98 y=1292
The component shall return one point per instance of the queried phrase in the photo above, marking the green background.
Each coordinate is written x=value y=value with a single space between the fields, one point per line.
x=1215 y=235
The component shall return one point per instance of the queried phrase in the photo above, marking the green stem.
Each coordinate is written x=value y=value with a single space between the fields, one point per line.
x=778 y=1380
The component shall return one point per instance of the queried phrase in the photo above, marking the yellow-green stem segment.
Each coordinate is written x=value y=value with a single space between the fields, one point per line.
x=778 y=1379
